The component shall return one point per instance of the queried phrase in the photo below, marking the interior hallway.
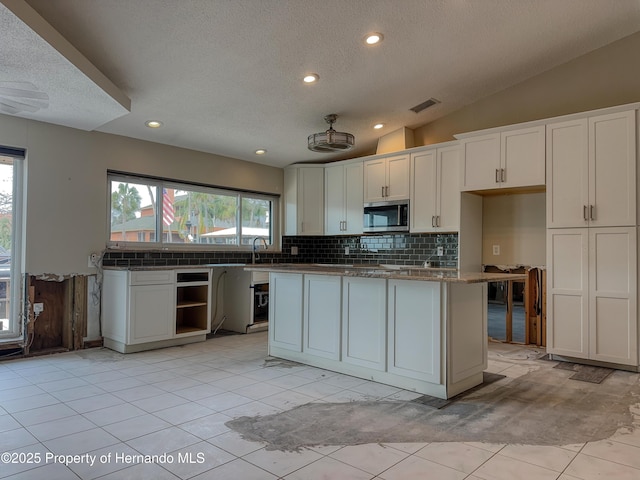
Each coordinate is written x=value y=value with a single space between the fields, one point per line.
x=183 y=399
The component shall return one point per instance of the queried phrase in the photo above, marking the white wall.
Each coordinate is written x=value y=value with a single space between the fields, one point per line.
x=66 y=176
x=517 y=223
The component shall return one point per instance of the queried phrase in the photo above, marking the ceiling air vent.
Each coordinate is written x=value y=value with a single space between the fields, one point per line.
x=424 y=105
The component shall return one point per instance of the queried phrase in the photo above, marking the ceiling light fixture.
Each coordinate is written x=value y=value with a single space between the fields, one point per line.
x=153 y=123
x=373 y=38
x=261 y=151
x=330 y=141
x=378 y=126
x=311 y=78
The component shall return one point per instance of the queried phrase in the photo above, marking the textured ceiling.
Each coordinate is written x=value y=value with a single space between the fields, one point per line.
x=225 y=75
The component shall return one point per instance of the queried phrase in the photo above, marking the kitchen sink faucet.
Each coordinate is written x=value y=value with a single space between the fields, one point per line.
x=254 y=255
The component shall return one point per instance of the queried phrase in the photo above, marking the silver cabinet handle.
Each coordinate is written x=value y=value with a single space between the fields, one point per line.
x=437 y=220
x=386 y=190
x=345 y=225
x=584 y=213
x=382 y=191
x=591 y=209
x=433 y=221
x=503 y=175
x=497 y=178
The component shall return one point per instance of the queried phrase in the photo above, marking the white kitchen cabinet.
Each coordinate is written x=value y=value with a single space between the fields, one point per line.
x=322 y=315
x=304 y=200
x=414 y=330
x=507 y=159
x=285 y=311
x=435 y=190
x=387 y=178
x=343 y=196
x=146 y=309
x=591 y=171
x=364 y=318
x=592 y=294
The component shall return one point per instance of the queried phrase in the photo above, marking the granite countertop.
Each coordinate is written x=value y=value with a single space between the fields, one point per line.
x=139 y=268
x=404 y=272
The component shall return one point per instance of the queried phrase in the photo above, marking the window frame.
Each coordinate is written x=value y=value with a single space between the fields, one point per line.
x=161 y=244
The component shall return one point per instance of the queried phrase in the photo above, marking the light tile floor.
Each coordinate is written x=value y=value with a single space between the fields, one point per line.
x=173 y=404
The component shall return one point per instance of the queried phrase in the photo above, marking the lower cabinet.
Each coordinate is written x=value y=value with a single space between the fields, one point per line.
x=285 y=307
x=428 y=337
x=592 y=294
x=142 y=310
x=322 y=316
x=414 y=329
x=364 y=304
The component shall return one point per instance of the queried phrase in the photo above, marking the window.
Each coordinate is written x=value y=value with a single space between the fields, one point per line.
x=186 y=215
x=11 y=184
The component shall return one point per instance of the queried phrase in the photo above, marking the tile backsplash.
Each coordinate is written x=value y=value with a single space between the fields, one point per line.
x=395 y=248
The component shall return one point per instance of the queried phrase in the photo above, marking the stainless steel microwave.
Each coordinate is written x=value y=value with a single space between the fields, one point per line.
x=386 y=216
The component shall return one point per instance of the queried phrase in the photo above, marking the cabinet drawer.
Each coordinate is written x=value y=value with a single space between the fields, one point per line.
x=151 y=277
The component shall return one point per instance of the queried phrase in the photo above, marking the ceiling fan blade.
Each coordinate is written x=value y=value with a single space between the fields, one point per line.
x=19 y=106
x=7 y=108
x=20 y=93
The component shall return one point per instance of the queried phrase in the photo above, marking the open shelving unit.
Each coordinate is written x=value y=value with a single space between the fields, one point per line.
x=192 y=301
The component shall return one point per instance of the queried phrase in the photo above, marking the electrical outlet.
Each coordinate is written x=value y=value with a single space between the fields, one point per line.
x=93 y=260
x=346 y=250
x=38 y=308
x=440 y=251
x=496 y=249
x=294 y=250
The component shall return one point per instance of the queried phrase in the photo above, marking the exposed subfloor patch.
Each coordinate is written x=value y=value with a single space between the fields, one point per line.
x=585 y=373
x=541 y=407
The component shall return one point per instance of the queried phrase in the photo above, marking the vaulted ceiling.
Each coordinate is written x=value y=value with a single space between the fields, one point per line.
x=225 y=76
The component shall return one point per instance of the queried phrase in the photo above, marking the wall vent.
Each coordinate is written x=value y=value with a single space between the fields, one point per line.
x=424 y=105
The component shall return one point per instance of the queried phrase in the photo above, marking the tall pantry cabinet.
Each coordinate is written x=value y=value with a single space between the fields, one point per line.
x=592 y=238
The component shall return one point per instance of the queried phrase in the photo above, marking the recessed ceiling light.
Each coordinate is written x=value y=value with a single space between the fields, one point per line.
x=311 y=78
x=378 y=126
x=261 y=151
x=153 y=124
x=373 y=38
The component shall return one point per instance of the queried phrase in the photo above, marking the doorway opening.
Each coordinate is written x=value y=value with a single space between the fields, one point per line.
x=516 y=311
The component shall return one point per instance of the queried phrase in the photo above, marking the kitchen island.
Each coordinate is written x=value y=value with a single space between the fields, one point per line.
x=415 y=328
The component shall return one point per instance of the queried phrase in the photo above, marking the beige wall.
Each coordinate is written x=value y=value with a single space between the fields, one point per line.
x=67 y=202
x=605 y=77
x=517 y=224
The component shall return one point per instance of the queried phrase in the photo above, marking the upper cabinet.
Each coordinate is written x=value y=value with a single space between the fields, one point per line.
x=304 y=200
x=386 y=178
x=508 y=159
x=591 y=171
x=435 y=190
x=343 y=196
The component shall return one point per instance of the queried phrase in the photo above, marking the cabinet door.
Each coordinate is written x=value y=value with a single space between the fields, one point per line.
x=364 y=315
x=522 y=156
x=354 y=198
x=414 y=331
x=612 y=169
x=568 y=292
x=151 y=313
x=613 y=322
x=310 y=201
x=334 y=191
x=422 y=209
x=481 y=163
x=375 y=179
x=567 y=174
x=448 y=190
x=322 y=310
x=285 y=311
x=398 y=177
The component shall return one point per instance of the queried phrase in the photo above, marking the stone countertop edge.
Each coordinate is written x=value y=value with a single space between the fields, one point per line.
x=402 y=273
x=139 y=268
